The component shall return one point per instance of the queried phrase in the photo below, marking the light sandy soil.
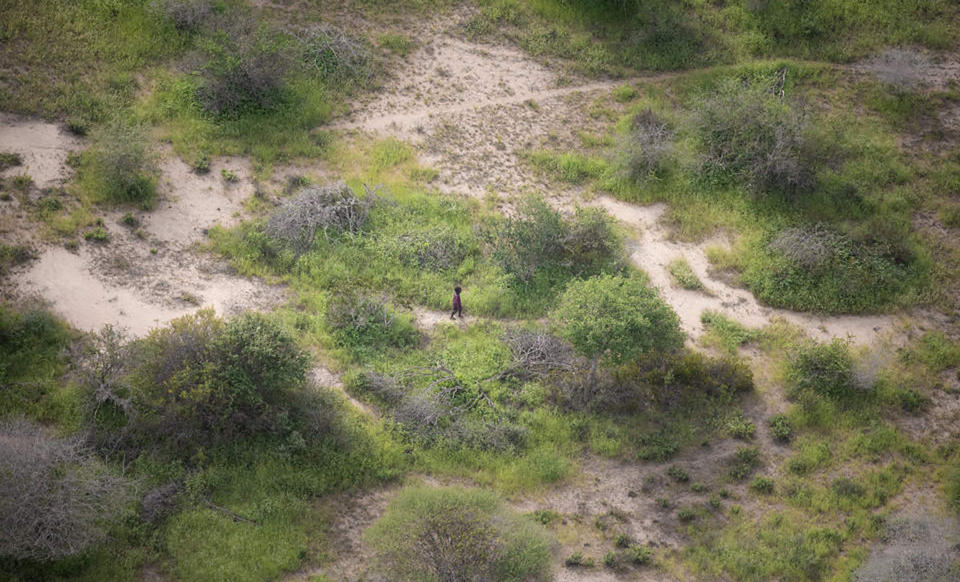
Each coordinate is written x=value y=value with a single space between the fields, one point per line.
x=653 y=250
x=140 y=278
x=43 y=146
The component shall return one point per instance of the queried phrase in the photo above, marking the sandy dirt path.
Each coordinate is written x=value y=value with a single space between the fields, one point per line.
x=147 y=275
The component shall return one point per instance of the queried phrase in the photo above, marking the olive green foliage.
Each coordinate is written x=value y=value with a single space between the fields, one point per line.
x=616 y=318
x=120 y=168
x=823 y=369
x=826 y=270
x=646 y=149
x=684 y=276
x=368 y=322
x=12 y=256
x=749 y=134
x=451 y=534
x=31 y=362
x=246 y=70
x=201 y=382
x=539 y=239
x=9 y=160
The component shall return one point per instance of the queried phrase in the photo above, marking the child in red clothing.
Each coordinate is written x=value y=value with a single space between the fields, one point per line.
x=457 y=307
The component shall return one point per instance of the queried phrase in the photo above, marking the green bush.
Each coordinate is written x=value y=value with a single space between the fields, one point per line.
x=780 y=428
x=678 y=474
x=201 y=382
x=747 y=133
x=763 y=485
x=824 y=369
x=538 y=238
x=246 y=69
x=616 y=318
x=9 y=160
x=32 y=342
x=816 y=268
x=457 y=534
x=361 y=321
x=744 y=462
x=741 y=428
x=120 y=167
x=645 y=150
x=684 y=276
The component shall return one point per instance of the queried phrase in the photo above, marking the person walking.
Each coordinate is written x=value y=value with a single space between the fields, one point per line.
x=457 y=306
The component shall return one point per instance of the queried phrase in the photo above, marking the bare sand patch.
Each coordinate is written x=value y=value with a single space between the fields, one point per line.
x=43 y=146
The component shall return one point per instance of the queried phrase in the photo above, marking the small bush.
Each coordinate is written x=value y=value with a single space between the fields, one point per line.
x=364 y=321
x=645 y=149
x=56 y=499
x=10 y=160
x=741 y=428
x=457 y=534
x=336 y=55
x=678 y=474
x=538 y=237
x=825 y=369
x=763 y=485
x=622 y=541
x=748 y=133
x=186 y=15
x=576 y=559
x=331 y=210
x=120 y=168
x=98 y=235
x=14 y=255
x=246 y=69
x=780 y=428
x=640 y=555
x=686 y=515
x=844 y=487
x=744 y=462
x=440 y=248
x=684 y=276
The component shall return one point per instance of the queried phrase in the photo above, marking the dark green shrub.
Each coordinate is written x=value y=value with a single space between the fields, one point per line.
x=845 y=487
x=438 y=248
x=9 y=160
x=657 y=447
x=824 y=369
x=763 y=485
x=912 y=401
x=617 y=318
x=744 y=462
x=538 y=238
x=622 y=541
x=678 y=474
x=98 y=235
x=686 y=515
x=780 y=428
x=200 y=382
x=246 y=69
x=14 y=255
x=816 y=268
x=457 y=534
x=363 y=321
x=120 y=168
x=747 y=133
x=645 y=149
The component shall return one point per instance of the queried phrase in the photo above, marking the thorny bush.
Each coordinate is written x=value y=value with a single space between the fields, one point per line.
x=330 y=210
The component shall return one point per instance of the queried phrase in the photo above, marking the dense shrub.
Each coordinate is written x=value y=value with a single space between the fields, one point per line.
x=331 y=210
x=336 y=55
x=817 y=268
x=186 y=15
x=616 y=318
x=56 y=500
x=453 y=534
x=744 y=462
x=438 y=248
x=365 y=321
x=825 y=369
x=10 y=160
x=780 y=428
x=645 y=149
x=246 y=69
x=200 y=382
x=746 y=132
x=537 y=237
x=120 y=167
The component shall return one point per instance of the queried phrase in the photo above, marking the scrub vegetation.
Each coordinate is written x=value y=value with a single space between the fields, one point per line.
x=573 y=419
